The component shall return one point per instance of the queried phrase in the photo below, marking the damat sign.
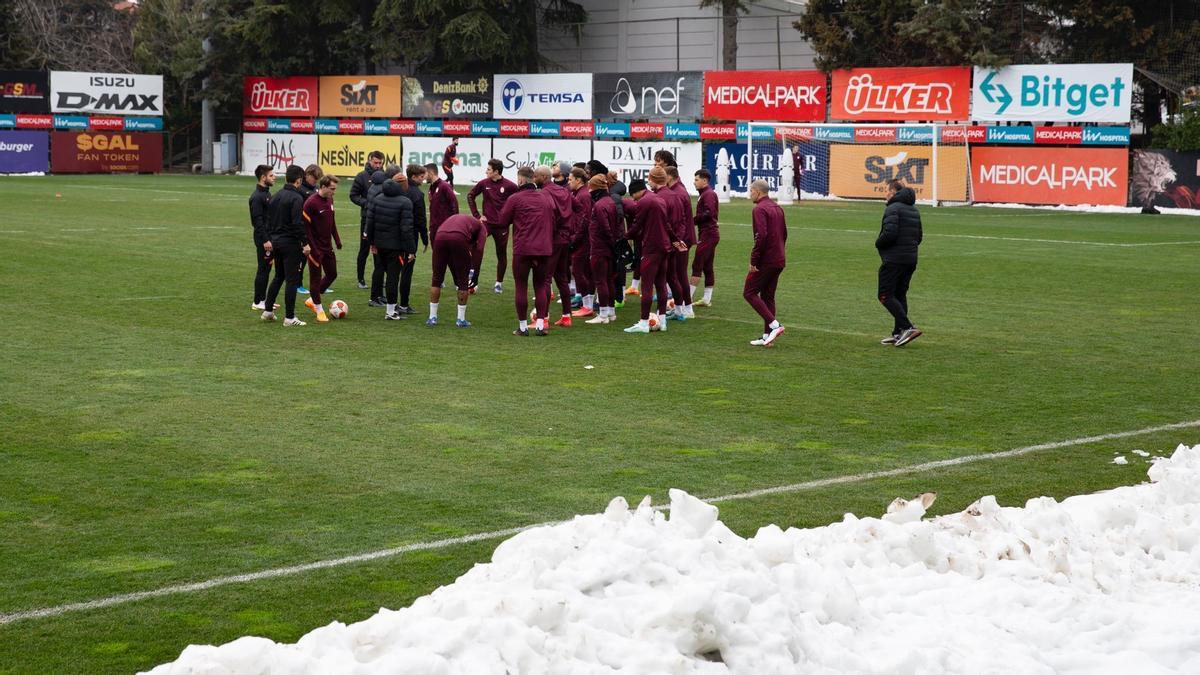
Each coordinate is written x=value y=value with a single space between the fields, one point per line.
x=106 y=93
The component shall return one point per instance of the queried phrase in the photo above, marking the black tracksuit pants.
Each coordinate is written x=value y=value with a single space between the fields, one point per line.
x=289 y=259
x=893 y=292
x=263 y=275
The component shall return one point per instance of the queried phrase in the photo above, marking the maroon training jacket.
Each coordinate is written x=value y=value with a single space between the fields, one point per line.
x=650 y=224
x=531 y=213
x=770 y=235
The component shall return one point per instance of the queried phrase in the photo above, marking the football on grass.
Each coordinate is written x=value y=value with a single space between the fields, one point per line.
x=338 y=309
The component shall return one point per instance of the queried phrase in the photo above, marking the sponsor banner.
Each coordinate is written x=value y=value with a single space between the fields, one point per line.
x=278 y=151
x=274 y=96
x=325 y=126
x=375 y=126
x=1106 y=135
x=864 y=170
x=1022 y=135
x=279 y=126
x=254 y=124
x=485 y=128
x=875 y=135
x=900 y=94
x=578 y=129
x=24 y=152
x=1086 y=92
x=531 y=152
x=70 y=122
x=143 y=124
x=350 y=126
x=718 y=132
x=778 y=95
x=473 y=154
x=646 y=129
x=682 y=132
x=359 y=96
x=841 y=134
x=965 y=133
x=647 y=95
x=448 y=96
x=402 y=127
x=303 y=126
x=1050 y=175
x=347 y=155
x=457 y=127
x=1165 y=178
x=612 y=130
x=429 y=127
x=551 y=96
x=760 y=133
x=550 y=129
x=514 y=128
x=106 y=93
x=106 y=124
x=634 y=160
x=25 y=91
x=1058 y=135
x=35 y=121
x=8 y=121
x=103 y=152
x=730 y=161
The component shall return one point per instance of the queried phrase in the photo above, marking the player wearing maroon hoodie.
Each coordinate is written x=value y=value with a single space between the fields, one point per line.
x=322 y=230
x=710 y=235
x=455 y=246
x=767 y=260
x=443 y=200
x=605 y=229
x=560 y=257
x=496 y=189
x=679 y=259
x=531 y=212
x=651 y=226
x=581 y=269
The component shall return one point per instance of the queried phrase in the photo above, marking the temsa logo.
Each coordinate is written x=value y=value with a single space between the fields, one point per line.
x=898 y=166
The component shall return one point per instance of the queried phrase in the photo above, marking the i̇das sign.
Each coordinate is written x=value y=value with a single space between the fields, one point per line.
x=1093 y=92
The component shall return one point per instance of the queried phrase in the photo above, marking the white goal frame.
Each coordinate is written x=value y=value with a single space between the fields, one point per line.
x=934 y=128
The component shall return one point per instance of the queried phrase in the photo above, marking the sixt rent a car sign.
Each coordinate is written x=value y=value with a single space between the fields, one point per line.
x=1092 y=92
x=557 y=96
x=774 y=95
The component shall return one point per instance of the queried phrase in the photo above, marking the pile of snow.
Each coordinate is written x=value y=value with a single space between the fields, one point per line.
x=1108 y=582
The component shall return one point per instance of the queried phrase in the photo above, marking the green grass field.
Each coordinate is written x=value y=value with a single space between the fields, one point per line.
x=154 y=432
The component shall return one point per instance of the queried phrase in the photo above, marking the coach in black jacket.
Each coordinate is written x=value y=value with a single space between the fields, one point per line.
x=289 y=244
x=898 y=240
x=358 y=196
x=416 y=176
x=390 y=234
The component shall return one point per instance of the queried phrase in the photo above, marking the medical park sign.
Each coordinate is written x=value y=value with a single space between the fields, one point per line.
x=1092 y=92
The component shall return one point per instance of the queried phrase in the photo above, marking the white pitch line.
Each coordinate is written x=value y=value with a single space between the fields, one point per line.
x=45 y=612
x=994 y=238
x=149 y=297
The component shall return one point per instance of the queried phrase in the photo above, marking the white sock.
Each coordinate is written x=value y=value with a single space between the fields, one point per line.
x=433 y=310
x=391 y=309
x=693 y=289
x=708 y=293
x=636 y=284
x=523 y=325
x=572 y=284
x=462 y=312
x=587 y=302
x=541 y=323
x=320 y=308
x=774 y=325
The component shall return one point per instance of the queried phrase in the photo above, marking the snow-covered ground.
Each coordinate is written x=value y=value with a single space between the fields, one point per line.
x=1101 y=583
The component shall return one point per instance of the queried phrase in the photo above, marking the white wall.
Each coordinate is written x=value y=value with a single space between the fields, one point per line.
x=646 y=40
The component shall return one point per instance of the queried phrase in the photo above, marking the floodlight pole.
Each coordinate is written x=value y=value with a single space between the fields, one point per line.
x=208 y=126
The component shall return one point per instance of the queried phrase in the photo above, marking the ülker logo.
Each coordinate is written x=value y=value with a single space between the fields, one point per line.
x=863 y=96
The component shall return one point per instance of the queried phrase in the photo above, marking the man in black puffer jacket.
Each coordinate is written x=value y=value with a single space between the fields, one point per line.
x=358 y=195
x=898 y=240
x=377 y=180
x=391 y=235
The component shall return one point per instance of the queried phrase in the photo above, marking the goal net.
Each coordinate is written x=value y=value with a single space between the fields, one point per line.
x=855 y=161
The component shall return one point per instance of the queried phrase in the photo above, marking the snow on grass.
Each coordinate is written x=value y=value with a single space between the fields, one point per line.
x=1101 y=583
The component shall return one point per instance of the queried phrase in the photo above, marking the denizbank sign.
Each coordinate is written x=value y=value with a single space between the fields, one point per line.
x=1093 y=92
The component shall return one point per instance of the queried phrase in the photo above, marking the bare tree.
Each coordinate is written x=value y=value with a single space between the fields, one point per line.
x=85 y=35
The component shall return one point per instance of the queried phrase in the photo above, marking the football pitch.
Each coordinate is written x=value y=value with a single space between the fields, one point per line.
x=154 y=433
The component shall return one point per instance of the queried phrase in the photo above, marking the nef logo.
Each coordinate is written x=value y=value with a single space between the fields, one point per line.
x=899 y=166
x=68 y=100
x=651 y=101
x=512 y=96
x=359 y=94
